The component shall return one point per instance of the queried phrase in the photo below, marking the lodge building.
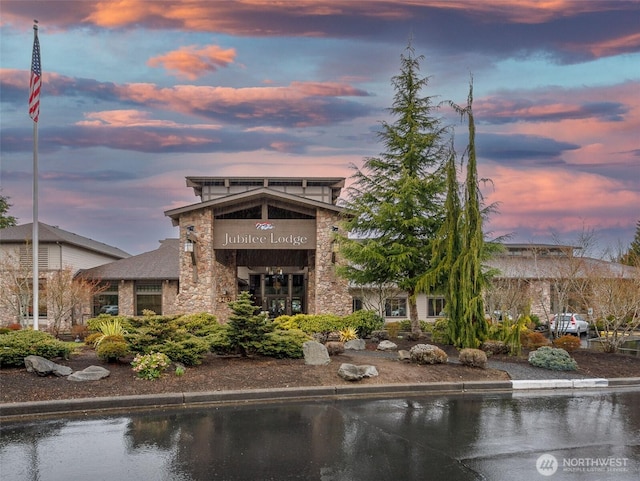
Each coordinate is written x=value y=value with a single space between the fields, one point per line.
x=274 y=237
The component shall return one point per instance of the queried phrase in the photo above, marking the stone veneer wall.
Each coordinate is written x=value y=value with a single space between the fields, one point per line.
x=169 y=296
x=331 y=291
x=126 y=298
x=225 y=281
x=196 y=280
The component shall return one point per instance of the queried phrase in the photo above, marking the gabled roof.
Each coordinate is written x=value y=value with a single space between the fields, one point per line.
x=160 y=264
x=48 y=234
x=261 y=192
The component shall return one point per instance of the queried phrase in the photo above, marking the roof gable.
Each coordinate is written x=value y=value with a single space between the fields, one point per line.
x=49 y=234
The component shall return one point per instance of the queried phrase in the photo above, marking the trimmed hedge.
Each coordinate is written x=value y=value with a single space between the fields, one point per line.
x=16 y=345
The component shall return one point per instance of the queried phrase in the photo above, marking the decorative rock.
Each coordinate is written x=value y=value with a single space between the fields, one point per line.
x=428 y=354
x=404 y=355
x=387 y=346
x=315 y=354
x=334 y=347
x=355 y=345
x=351 y=372
x=380 y=335
x=44 y=367
x=91 y=373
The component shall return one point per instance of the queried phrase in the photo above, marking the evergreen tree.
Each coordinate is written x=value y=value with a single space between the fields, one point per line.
x=460 y=249
x=395 y=205
x=246 y=328
x=6 y=220
x=632 y=257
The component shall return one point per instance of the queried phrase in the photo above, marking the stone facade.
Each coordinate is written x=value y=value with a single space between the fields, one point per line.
x=331 y=292
x=197 y=267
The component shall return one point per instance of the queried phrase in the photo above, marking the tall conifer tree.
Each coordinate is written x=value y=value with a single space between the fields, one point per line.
x=460 y=249
x=395 y=204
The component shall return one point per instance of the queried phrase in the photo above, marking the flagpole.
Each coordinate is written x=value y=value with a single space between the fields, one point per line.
x=35 y=234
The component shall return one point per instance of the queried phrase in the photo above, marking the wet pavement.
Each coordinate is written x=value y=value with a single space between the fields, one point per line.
x=559 y=435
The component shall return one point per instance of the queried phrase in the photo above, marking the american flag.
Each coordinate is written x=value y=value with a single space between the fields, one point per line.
x=36 y=78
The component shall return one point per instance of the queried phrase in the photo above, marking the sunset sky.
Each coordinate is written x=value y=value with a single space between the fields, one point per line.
x=139 y=94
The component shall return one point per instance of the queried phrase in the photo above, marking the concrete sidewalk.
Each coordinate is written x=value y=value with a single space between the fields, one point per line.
x=36 y=409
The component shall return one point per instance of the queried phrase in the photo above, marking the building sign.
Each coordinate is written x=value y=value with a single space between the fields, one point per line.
x=264 y=234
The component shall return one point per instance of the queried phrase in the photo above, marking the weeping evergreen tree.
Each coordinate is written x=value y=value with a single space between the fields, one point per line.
x=460 y=250
x=395 y=205
x=632 y=257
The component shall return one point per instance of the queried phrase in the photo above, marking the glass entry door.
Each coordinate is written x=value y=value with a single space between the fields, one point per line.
x=279 y=293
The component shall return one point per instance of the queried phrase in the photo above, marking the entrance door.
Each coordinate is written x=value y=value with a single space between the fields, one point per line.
x=279 y=293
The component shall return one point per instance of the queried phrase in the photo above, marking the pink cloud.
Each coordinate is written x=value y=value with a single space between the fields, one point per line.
x=133 y=118
x=191 y=62
x=536 y=199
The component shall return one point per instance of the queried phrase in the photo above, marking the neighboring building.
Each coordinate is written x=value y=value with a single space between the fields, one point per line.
x=148 y=281
x=57 y=249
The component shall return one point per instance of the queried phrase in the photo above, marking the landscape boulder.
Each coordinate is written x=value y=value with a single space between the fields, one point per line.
x=355 y=345
x=428 y=354
x=315 y=354
x=44 y=367
x=404 y=355
x=335 y=347
x=351 y=372
x=387 y=346
x=91 y=373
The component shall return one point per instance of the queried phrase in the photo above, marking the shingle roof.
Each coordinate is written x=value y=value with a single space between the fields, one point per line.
x=51 y=234
x=160 y=264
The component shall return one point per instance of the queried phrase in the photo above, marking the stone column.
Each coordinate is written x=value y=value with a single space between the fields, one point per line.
x=331 y=291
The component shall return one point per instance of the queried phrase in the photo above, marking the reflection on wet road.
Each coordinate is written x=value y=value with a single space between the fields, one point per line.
x=557 y=436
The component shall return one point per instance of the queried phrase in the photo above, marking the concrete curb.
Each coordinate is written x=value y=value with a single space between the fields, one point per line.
x=194 y=399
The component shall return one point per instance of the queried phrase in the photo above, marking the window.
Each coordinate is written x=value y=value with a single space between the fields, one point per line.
x=435 y=306
x=107 y=299
x=396 y=307
x=356 y=304
x=148 y=297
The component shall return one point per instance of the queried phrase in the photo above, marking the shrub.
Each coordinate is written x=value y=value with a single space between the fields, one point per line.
x=440 y=332
x=364 y=322
x=494 y=347
x=16 y=345
x=284 y=343
x=285 y=322
x=79 y=331
x=473 y=358
x=111 y=348
x=427 y=354
x=567 y=342
x=151 y=366
x=319 y=323
x=108 y=328
x=94 y=323
x=4 y=330
x=533 y=340
x=91 y=339
x=200 y=324
x=219 y=341
x=393 y=328
x=347 y=334
x=188 y=351
x=552 y=358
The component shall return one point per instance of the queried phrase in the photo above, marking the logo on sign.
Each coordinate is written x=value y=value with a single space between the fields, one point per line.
x=264 y=226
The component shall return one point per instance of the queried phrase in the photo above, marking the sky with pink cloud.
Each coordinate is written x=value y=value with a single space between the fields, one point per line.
x=137 y=95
